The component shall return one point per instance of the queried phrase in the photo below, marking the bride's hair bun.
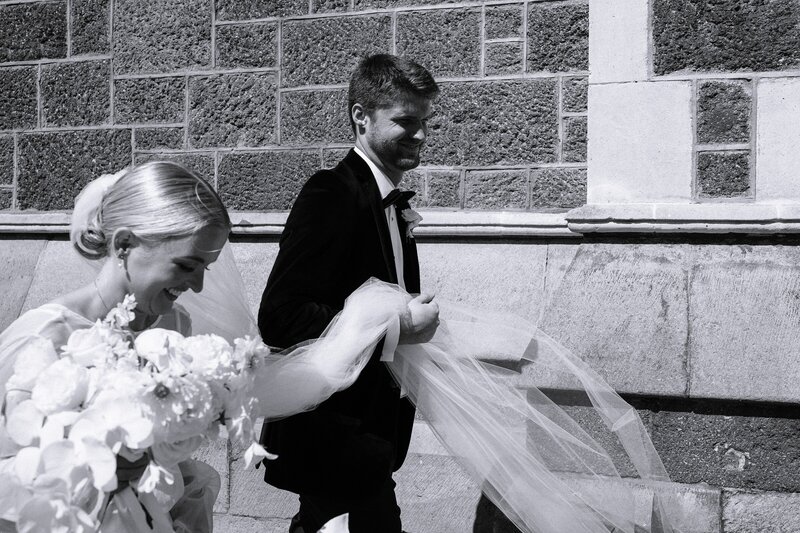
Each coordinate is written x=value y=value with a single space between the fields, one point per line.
x=86 y=229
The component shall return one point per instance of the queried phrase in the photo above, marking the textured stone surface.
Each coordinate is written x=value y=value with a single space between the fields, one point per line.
x=622 y=308
x=265 y=180
x=245 y=524
x=332 y=156
x=6 y=160
x=777 y=138
x=258 y=9
x=444 y=188
x=90 y=27
x=503 y=58
x=76 y=94
x=744 y=512
x=575 y=94
x=6 y=199
x=573 y=149
x=161 y=36
x=33 y=31
x=18 y=98
x=494 y=123
x=500 y=189
x=147 y=100
x=504 y=21
x=366 y=4
x=251 y=496
x=726 y=35
x=201 y=164
x=558 y=37
x=253 y=45
x=18 y=259
x=325 y=51
x=723 y=174
x=723 y=112
x=58 y=256
x=54 y=167
x=159 y=138
x=215 y=454
x=329 y=6
x=562 y=188
x=446 y=42
x=310 y=117
x=232 y=110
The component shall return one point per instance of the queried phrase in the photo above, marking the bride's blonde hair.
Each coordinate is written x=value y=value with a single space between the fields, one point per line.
x=157 y=201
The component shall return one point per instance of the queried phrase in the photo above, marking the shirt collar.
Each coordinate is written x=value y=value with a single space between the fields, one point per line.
x=385 y=185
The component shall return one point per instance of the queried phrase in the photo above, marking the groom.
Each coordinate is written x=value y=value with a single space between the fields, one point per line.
x=349 y=224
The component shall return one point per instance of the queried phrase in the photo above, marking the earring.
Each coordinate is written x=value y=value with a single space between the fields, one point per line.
x=122 y=257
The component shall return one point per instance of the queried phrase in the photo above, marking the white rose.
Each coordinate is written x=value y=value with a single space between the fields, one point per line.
x=158 y=346
x=88 y=347
x=34 y=356
x=210 y=354
x=62 y=386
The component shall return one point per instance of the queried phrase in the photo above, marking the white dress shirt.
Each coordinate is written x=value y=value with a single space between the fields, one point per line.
x=385 y=186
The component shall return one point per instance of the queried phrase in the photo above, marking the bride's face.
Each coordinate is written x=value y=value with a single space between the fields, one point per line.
x=159 y=274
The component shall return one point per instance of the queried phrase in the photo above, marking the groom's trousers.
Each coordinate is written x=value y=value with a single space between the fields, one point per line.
x=377 y=513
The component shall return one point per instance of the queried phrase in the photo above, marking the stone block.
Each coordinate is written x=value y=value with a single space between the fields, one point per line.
x=332 y=156
x=6 y=160
x=503 y=58
x=414 y=180
x=90 y=27
x=215 y=454
x=18 y=260
x=159 y=36
x=575 y=95
x=744 y=310
x=457 y=272
x=723 y=112
x=367 y=4
x=251 y=496
x=201 y=164
x=244 y=524
x=149 y=100
x=619 y=46
x=573 y=149
x=6 y=199
x=315 y=117
x=444 y=188
x=504 y=21
x=445 y=41
x=33 y=31
x=622 y=308
x=18 y=107
x=777 y=139
x=325 y=51
x=744 y=512
x=494 y=123
x=329 y=6
x=733 y=36
x=646 y=130
x=232 y=110
x=259 y=9
x=502 y=189
x=159 y=138
x=57 y=256
x=54 y=167
x=76 y=94
x=558 y=37
x=562 y=188
x=247 y=46
x=723 y=174
x=265 y=180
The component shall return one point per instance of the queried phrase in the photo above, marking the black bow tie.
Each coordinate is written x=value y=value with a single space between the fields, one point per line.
x=396 y=196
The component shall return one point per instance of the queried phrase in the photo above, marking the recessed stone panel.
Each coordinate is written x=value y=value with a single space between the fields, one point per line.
x=444 y=188
x=501 y=189
x=446 y=42
x=309 y=117
x=723 y=112
x=265 y=180
x=232 y=110
x=726 y=35
x=575 y=94
x=6 y=199
x=259 y=9
x=503 y=58
x=33 y=30
x=558 y=37
x=325 y=51
x=148 y=100
x=90 y=27
x=561 y=188
x=18 y=107
x=723 y=174
x=247 y=46
x=54 y=167
x=494 y=123
x=503 y=22
x=159 y=138
x=199 y=163
x=573 y=149
x=161 y=36
x=6 y=160
x=76 y=94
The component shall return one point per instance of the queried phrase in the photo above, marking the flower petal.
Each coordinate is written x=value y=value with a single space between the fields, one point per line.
x=24 y=423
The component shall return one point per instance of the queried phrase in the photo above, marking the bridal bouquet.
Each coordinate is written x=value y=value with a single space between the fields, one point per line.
x=105 y=394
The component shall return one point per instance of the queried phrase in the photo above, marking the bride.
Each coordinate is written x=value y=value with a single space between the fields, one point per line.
x=157 y=228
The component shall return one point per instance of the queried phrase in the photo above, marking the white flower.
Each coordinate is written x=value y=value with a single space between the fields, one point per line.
x=33 y=357
x=160 y=347
x=61 y=387
x=211 y=355
x=91 y=346
x=412 y=220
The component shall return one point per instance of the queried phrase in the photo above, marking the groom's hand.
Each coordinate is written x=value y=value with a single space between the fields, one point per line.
x=419 y=322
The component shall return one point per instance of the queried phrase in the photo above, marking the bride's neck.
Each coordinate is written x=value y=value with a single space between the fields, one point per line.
x=110 y=290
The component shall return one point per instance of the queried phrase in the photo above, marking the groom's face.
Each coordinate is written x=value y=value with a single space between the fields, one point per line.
x=396 y=133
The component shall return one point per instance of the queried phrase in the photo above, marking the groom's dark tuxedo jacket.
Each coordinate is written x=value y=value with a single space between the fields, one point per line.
x=336 y=237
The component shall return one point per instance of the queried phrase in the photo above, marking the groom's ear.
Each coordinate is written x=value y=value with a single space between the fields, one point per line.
x=360 y=117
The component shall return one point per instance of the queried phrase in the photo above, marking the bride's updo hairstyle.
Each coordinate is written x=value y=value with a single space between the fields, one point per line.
x=157 y=201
